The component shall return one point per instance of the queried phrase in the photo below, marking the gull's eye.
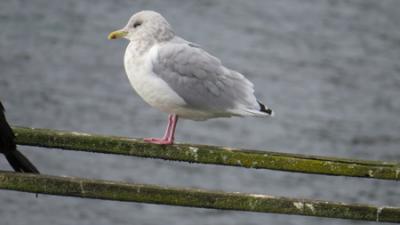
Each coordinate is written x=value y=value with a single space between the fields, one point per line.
x=137 y=23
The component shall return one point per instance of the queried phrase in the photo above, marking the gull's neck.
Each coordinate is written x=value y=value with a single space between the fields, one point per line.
x=139 y=47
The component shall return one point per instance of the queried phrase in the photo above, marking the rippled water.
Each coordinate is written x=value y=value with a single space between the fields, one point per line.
x=330 y=70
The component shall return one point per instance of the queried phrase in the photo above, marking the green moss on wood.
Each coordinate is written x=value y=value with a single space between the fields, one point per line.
x=209 y=154
x=119 y=191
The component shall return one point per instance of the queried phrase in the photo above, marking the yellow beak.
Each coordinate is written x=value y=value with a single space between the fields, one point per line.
x=117 y=34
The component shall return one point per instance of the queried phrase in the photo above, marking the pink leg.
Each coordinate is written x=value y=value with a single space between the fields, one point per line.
x=169 y=134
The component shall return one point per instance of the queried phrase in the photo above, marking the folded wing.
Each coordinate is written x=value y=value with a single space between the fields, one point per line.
x=202 y=81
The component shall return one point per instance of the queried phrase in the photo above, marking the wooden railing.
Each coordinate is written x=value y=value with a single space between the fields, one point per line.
x=119 y=191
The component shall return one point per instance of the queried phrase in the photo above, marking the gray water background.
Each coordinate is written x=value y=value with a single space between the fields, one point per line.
x=330 y=70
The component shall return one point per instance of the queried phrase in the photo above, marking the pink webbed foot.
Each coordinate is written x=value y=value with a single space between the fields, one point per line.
x=168 y=138
x=159 y=141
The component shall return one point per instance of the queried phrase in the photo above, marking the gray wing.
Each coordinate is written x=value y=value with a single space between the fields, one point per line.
x=201 y=80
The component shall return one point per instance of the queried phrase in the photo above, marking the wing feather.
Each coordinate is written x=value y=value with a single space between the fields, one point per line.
x=201 y=79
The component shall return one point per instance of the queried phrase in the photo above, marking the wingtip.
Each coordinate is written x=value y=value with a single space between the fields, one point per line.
x=272 y=114
x=266 y=110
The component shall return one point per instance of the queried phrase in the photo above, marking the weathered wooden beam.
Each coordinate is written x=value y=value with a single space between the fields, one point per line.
x=208 y=154
x=119 y=191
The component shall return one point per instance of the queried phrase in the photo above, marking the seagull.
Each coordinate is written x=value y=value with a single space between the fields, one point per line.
x=180 y=78
x=8 y=147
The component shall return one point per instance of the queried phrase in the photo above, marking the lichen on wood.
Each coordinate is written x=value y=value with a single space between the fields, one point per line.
x=208 y=154
x=190 y=197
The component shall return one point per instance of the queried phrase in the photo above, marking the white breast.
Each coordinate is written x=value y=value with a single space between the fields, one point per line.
x=151 y=88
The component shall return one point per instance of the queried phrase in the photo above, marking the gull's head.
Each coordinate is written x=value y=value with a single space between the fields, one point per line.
x=145 y=25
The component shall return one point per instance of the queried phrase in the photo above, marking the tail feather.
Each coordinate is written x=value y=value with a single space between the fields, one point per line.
x=20 y=163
